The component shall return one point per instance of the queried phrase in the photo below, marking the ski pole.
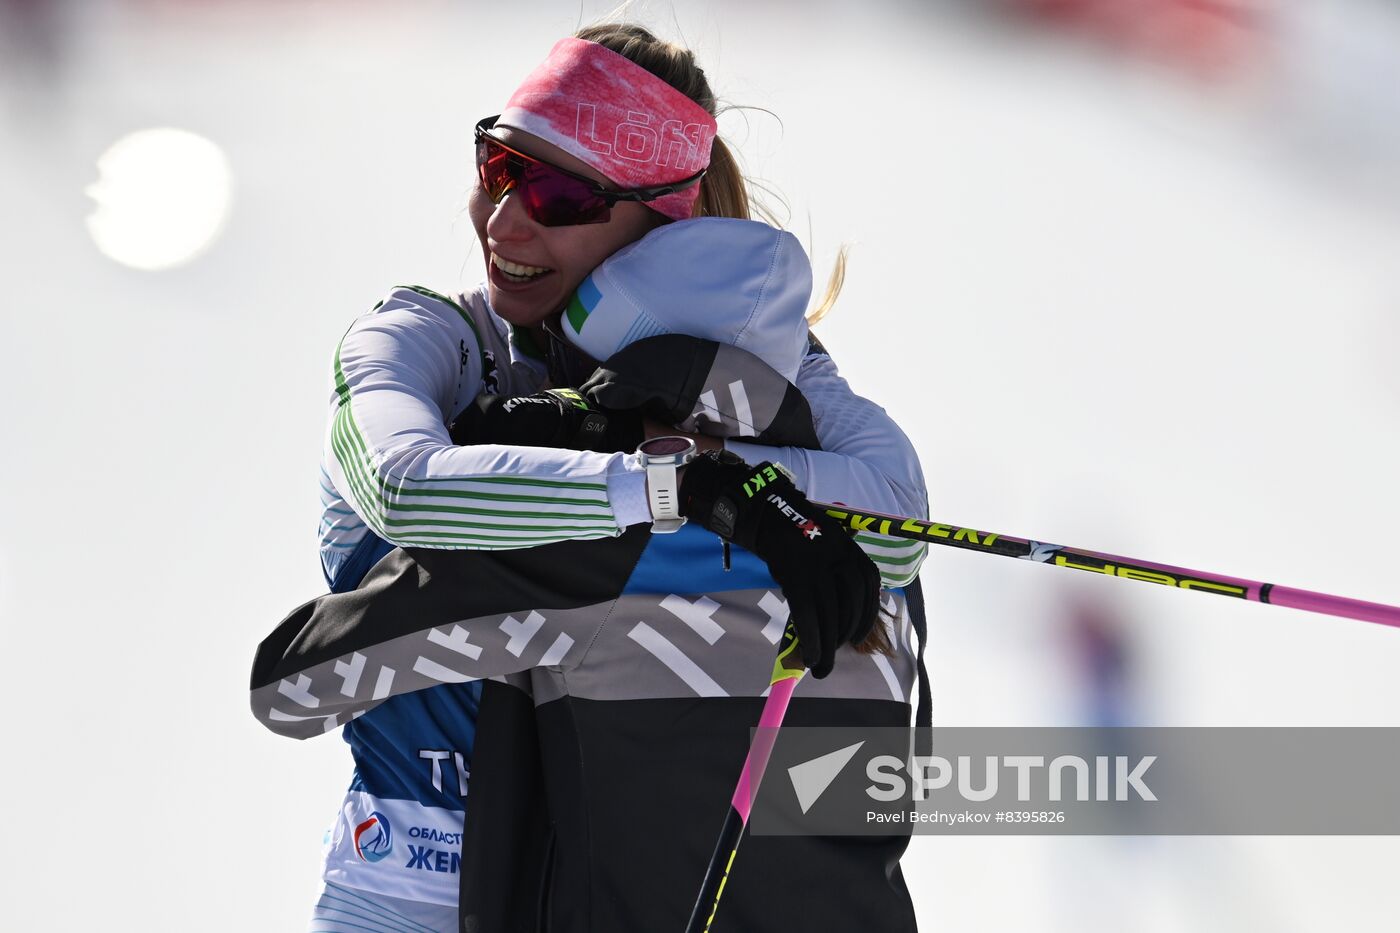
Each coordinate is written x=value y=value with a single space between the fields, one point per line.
x=1126 y=568
x=787 y=671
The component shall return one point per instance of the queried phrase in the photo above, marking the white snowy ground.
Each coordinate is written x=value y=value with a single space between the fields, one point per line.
x=1111 y=308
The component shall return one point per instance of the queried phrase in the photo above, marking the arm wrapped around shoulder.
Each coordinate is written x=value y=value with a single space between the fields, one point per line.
x=703 y=387
x=832 y=587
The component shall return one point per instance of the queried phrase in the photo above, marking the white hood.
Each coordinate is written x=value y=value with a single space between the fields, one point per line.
x=736 y=282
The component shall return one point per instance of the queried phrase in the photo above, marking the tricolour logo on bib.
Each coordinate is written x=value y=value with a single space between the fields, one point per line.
x=374 y=838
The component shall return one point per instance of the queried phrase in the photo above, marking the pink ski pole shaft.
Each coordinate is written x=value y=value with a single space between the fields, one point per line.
x=787 y=671
x=1110 y=565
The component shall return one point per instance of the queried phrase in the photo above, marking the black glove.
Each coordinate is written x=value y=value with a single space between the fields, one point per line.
x=556 y=418
x=832 y=587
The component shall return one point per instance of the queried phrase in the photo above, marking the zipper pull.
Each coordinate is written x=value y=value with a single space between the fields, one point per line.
x=724 y=545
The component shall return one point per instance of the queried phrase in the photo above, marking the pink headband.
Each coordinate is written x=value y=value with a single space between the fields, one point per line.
x=621 y=119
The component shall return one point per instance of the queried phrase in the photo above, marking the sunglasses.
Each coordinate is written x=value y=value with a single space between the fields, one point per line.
x=552 y=196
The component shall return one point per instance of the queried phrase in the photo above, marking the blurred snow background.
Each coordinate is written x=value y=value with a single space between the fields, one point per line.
x=1125 y=270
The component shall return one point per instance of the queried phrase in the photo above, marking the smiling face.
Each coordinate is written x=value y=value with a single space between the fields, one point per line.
x=532 y=269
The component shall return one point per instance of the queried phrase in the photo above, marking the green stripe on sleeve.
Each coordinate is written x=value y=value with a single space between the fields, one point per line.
x=386 y=505
x=915 y=550
x=897 y=559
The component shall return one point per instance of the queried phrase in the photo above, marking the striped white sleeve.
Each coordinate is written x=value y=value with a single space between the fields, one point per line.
x=398 y=375
x=865 y=461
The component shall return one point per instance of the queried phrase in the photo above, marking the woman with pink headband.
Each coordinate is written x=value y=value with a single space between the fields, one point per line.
x=612 y=137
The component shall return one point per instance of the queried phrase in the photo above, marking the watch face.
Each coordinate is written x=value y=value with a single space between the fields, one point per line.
x=666 y=446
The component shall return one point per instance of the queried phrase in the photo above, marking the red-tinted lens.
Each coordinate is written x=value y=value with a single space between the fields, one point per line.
x=551 y=197
x=558 y=200
x=494 y=165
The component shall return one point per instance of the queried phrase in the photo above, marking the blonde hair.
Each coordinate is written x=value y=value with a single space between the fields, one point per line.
x=724 y=191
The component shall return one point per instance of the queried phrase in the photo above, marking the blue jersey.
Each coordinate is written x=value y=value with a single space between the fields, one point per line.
x=399 y=831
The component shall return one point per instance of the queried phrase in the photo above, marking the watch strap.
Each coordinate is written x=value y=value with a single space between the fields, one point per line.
x=664 y=497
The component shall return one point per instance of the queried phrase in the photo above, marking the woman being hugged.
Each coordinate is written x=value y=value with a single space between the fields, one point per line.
x=608 y=140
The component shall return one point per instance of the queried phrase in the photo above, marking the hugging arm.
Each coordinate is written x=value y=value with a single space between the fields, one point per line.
x=865 y=460
x=401 y=374
x=837 y=445
x=427 y=617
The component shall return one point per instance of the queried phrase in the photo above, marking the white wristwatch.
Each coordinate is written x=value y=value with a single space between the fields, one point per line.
x=662 y=457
